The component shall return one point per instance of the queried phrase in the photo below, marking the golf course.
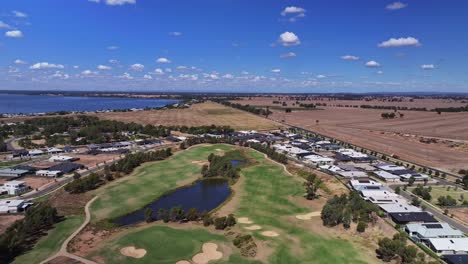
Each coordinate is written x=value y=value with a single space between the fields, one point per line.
x=266 y=202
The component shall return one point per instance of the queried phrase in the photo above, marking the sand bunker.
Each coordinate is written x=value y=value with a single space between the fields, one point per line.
x=270 y=233
x=308 y=216
x=209 y=253
x=244 y=220
x=133 y=252
x=253 y=227
x=183 y=262
x=200 y=162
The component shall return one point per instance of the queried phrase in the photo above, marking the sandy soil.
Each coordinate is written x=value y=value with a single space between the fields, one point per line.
x=8 y=220
x=244 y=220
x=133 y=252
x=308 y=216
x=460 y=213
x=35 y=182
x=92 y=160
x=197 y=115
x=269 y=233
x=209 y=253
x=183 y=262
x=253 y=227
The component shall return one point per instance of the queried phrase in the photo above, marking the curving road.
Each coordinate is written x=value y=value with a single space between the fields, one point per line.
x=63 y=249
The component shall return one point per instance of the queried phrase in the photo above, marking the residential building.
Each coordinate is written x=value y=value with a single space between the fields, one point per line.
x=444 y=246
x=49 y=173
x=35 y=152
x=387 y=176
x=456 y=259
x=13 y=206
x=62 y=159
x=353 y=174
x=319 y=160
x=423 y=232
x=364 y=183
x=54 y=150
x=12 y=173
x=412 y=217
x=14 y=187
x=399 y=207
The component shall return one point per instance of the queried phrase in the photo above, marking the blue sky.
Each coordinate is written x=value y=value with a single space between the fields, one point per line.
x=234 y=45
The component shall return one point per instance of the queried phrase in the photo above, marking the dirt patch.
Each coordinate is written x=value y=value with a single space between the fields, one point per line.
x=62 y=260
x=253 y=227
x=183 y=262
x=269 y=234
x=87 y=240
x=244 y=220
x=200 y=162
x=92 y=160
x=460 y=213
x=308 y=216
x=8 y=220
x=133 y=252
x=209 y=253
x=36 y=182
x=69 y=204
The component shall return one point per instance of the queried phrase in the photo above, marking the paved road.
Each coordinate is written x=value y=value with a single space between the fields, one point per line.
x=63 y=249
x=436 y=212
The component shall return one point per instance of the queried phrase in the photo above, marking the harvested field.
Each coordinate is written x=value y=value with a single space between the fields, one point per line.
x=198 y=115
x=8 y=220
x=400 y=136
x=330 y=102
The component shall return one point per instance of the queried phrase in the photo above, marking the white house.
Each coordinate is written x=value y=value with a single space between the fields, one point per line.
x=353 y=174
x=319 y=160
x=61 y=159
x=387 y=176
x=390 y=167
x=48 y=173
x=422 y=232
x=14 y=187
x=449 y=245
x=13 y=206
x=36 y=152
x=364 y=182
x=399 y=207
x=54 y=150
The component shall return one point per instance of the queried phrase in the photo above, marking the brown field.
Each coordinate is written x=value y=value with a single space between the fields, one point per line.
x=8 y=220
x=92 y=160
x=401 y=136
x=381 y=101
x=198 y=115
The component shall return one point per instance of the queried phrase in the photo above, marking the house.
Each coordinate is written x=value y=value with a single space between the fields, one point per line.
x=416 y=176
x=386 y=176
x=319 y=160
x=62 y=159
x=390 y=167
x=54 y=150
x=331 y=168
x=12 y=173
x=48 y=173
x=449 y=245
x=13 y=206
x=456 y=259
x=353 y=174
x=399 y=207
x=412 y=217
x=378 y=194
x=66 y=167
x=35 y=152
x=364 y=182
x=425 y=231
x=19 y=153
x=14 y=187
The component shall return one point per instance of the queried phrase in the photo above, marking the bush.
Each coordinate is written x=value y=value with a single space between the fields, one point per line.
x=220 y=223
x=361 y=227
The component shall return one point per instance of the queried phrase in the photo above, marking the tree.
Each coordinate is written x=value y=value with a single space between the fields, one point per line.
x=192 y=214
x=148 y=215
x=347 y=219
x=397 y=190
x=207 y=220
x=220 y=223
x=163 y=215
x=411 y=181
x=231 y=220
x=416 y=202
x=312 y=186
x=361 y=227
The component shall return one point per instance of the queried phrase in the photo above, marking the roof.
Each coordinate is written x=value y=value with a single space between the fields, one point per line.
x=455 y=244
x=14 y=182
x=318 y=158
x=434 y=230
x=331 y=168
x=399 y=208
x=48 y=172
x=365 y=182
x=456 y=259
x=66 y=167
x=13 y=171
x=413 y=217
x=11 y=203
x=390 y=167
x=386 y=175
x=351 y=174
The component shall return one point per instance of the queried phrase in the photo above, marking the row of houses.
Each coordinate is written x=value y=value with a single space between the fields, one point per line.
x=394 y=173
x=421 y=226
x=13 y=206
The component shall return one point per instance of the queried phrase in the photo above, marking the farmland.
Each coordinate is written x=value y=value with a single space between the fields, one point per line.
x=197 y=115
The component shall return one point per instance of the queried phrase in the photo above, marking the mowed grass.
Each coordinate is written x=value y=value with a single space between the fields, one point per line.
x=266 y=201
x=438 y=191
x=150 y=181
x=50 y=244
x=162 y=244
x=203 y=114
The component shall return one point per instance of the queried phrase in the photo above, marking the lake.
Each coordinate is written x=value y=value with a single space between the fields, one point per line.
x=205 y=195
x=29 y=104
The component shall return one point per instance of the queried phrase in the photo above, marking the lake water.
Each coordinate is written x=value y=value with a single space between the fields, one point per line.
x=28 y=104
x=205 y=195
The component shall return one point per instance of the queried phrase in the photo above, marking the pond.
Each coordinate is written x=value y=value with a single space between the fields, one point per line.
x=235 y=163
x=205 y=195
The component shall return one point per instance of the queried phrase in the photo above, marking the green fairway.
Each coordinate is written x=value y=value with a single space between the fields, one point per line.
x=270 y=187
x=50 y=244
x=150 y=181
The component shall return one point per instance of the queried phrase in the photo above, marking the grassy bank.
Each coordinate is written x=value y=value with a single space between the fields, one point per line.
x=150 y=181
x=50 y=244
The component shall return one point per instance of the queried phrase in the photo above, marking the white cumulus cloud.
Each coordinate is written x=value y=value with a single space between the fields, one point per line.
x=46 y=65
x=104 y=67
x=18 y=61
x=163 y=60
x=137 y=67
x=112 y=47
x=4 y=25
x=427 y=66
x=159 y=71
x=19 y=14
x=400 y=42
x=372 y=64
x=147 y=77
x=288 y=55
x=276 y=70
x=294 y=12
x=289 y=39
x=120 y=2
x=175 y=33
x=349 y=57
x=396 y=6
x=14 y=34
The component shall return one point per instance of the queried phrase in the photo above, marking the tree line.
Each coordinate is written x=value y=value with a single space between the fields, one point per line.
x=133 y=160
x=269 y=151
x=22 y=235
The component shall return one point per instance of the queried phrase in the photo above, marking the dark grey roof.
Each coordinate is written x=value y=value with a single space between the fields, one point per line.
x=413 y=217
x=66 y=167
x=456 y=259
x=402 y=172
